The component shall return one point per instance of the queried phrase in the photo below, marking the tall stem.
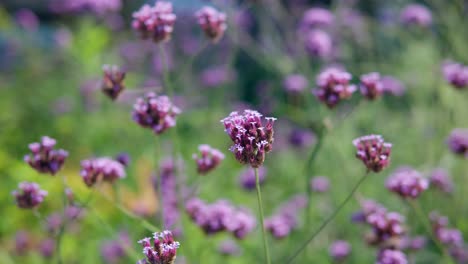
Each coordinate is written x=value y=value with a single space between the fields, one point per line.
x=328 y=220
x=262 y=221
x=64 y=221
x=307 y=173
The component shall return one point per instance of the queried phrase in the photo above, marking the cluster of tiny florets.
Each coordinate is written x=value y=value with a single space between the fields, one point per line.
x=371 y=85
x=339 y=250
x=440 y=179
x=373 y=151
x=155 y=22
x=415 y=14
x=456 y=74
x=451 y=237
x=407 y=182
x=163 y=250
x=44 y=158
x=333 y=86
x=212 y=22
x=29 y=195
x=209 y=159
x=252 y=140
x=103 y=168
x=112 y=82
x=458 y=142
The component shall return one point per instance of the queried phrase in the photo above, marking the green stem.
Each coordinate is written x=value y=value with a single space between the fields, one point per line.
x=159 y=182
x=328 y=220
x=64 y=223
x=307 y=173
x=262 y=221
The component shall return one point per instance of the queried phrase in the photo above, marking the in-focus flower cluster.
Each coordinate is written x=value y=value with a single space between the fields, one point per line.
x=209 y=159
x=155 y=22
x=339 y=250
x=456 y=74
x=415 y=14
x=371 y=85
x=333 y=86
x=221 y=216
x=167 y=185
x=285 y=220
x=458 y=142
x=252 y=140
x=112 y=83
x=155 y=112
x=373 y=151
x=163 y=250
x=247 y=178
x=407 y=182
x=103 y=168
x=29 y=195
x=44 y=158
x=212 y=22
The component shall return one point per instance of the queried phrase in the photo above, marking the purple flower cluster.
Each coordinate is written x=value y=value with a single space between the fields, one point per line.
x=216 y=76
x=407 y=182
x=373 y=151
x=284 y=221
x=209 y=159
x=168 y=188
x=368 y=207
x=319 y=184
x=247 y=178
x=95 y=6
x=104 y=168
x=413 y=243
x=155 y=112
x=212 y=22
x=229 y=248
x=458 y=142
x=391 y=256
x=155 y=22
x=162 y=251
x=113 y=251
x=317 y=17
x=392 y=86
x=448 y=236
x=440 y=179
x=387 y=229
x=29 y=195
x=415 y=14
x=319 y=43
x=221 y=216
x=333 y=86
x=456 y=74
x=339 y=250
x=295 y=83
x=44 y=158
x=252 y=140
x=112 y=83
x=47 y=247
x=371 y=85
x=302 y=138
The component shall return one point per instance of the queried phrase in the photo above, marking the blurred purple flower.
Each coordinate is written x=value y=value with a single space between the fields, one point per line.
x=123 y=158
x=447 y=236
x=440 y=179
x=460 y=254
x=458 y=142
x=155 y=22
x=47 y=247
x=407 y=182
x=112 y=83
x=333 y=86
x=216 y=76
x=317 y=17
x=339 y=250
x=99 y=7
x=53 y=223
x=113 y=251
x=247 y=178
x=27 y=19
x=229 y=248
x=210 y=159
x=29 y=195
x=22 y=242
x=371 y=85
x=285 y=220
x=319 y=43
x=368 y=207
x=456 y=74
x=387 y=228
x=212 y=22
x=251 y=139
x=295 y=83
x=104 y=168
x=319 y=184
x=413 y=243
x=44 y=158
x=167 y=185
x=302 y=138
x=391 y=256
x=373 y=151
x=416 y=14
x=163 y=250
x=392 y=86
x=63 y=37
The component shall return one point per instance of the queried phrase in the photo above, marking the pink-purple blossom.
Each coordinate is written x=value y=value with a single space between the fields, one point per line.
x=339 y=250
x=440 y=179
x=295 y=83
x=208 y=160
x=29 y=195
x=319 y=43
x=101 y=169
x=456 y=74
x=371 y=85
x=112 y=82
x=163 y=249
x=212 y=22
x=317 y=17
x=333 y=86
x=155 y=22
x=407 y=182
x=319 y=184
x=391 y=256
x=373 y=151
x=458 y=142
x=247 y=178
x=44 y=158
x=285 y=220
x=416 y=14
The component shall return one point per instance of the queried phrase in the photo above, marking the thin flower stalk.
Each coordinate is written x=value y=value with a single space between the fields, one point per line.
x=262 y=220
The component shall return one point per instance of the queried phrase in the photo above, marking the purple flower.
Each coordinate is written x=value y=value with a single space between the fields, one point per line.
x=53 y=223
x=319 y=184
x=123 y=158
x=47 y=247
x=295 y=83
x=247 y=178
x=99 y=7
x=371 y=85
x=251 y=139
x=29 y=195
x=456 y=74
x=390 y=256
x=163 y=250
x=115 y=250
x=392 y=86
x=318 y=43
x=229 y=248
x=155 y=112
x=22 y=242
x=317 y=17
x=210 y=159
x=339 y=250
x=27 y=19
x=302 y=138
x=216 y=76
x=212 y=22
x=447 y=236
x=387 y=228
x=373 y=151
x=168 y=188
x=112 y=83
x=460 y=254
x=105 y=169
x=440 y=179
x=415 y=14
x=285 y=220
x=458 y=142
x=155 y=22
x=407 y=182
x=44 y=158
x=333 y=86
x=413 y=243
x=368 y=207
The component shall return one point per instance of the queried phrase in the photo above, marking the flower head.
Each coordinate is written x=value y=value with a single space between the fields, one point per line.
x=371 y=85
x=44 y=158
x=392 y=86
x=339 y=250
x=212 y=22
x=387 y=228
x=285 y=220
x=458 y=142
x=317 y=17
x=163 y=250
x=252 y=139
x=247 y=178
x=407 y=182
x=155 y=22
x=415 y=14
x=209 y=159
x=229 y=248
x=155 y=112
x=112 y=83
x=456 y=74
x=295 y=83
x=319 y=43
x=319 y=184
x=29 y=195
x=373 y=151
x=447 y=236
x=333 y=86
x=390 y=256
x=104 y=168
x=440 y=179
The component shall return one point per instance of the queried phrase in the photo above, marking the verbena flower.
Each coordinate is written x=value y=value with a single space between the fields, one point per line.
x=99 y=7
x=113 y=251
x=112 y=83
x=413 y=243
x=415 y=14
x=302 y=138
x=316 y=17
x=163 y=250
x=440 y=179
x=29 y=195
x=155 y=22
x=247 y=178
x=212 y=22
x=216 y=76
x=387 y=229
x=333 y=86
x=391 y=256
x=104 y=168
x=47 y=247
x=448 y=236
x=44 y=158
x=209 y=159
x=295 y=83
x=339 y=250
x=456 y=74
x=319 y=43
x=393 y=86
x=229 y=248
x=319 y=184
x=368 y=207
x=407 y=182
x=371 y=85
x=166 y=183
x=458 y=141
x=373 y=151
x=23 y=242
x=285 y=220
x=252 y=139
x=155 y=112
